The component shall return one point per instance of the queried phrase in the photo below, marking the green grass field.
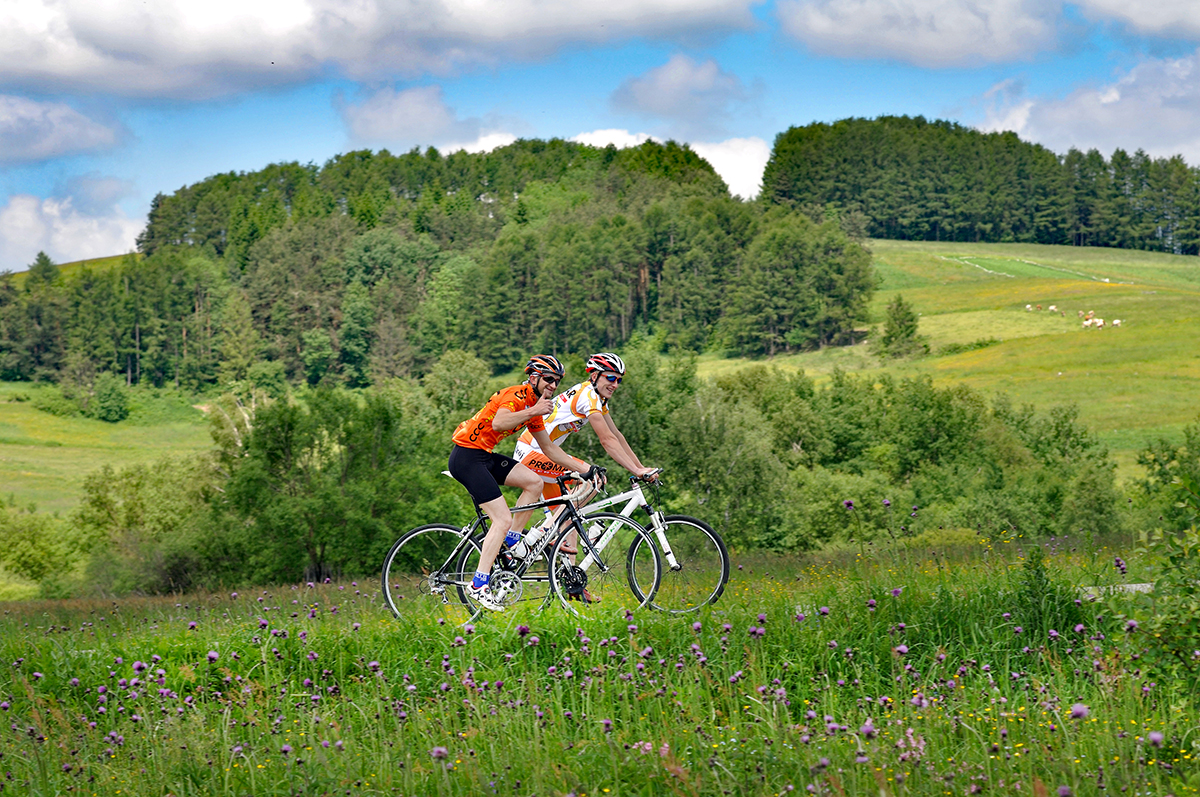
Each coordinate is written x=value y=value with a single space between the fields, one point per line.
x=915 y=673
x=1131 y=383
x=44 y=458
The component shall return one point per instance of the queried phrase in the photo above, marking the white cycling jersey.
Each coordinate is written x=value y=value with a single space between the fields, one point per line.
x=571 y=411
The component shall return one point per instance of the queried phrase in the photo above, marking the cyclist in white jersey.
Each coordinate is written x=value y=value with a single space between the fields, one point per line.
x=585 y=403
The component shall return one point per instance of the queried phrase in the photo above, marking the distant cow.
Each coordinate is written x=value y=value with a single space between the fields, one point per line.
x=1029 y=308
x=1116 y=322
x=1053 y=309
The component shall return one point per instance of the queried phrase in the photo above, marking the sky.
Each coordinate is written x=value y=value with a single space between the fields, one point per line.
x=105 y=103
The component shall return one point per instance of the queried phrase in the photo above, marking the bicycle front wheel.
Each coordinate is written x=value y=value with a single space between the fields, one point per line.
x=619 y=570
x=423 y=567
x=697 y=569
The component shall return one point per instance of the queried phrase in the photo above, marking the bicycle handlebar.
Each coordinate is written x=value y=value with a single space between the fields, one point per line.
x=595 y=470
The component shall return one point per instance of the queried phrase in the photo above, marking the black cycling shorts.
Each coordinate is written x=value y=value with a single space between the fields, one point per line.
x=481 y=472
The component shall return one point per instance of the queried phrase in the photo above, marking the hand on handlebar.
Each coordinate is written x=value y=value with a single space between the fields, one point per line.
x=650 y=474
x=595 y=474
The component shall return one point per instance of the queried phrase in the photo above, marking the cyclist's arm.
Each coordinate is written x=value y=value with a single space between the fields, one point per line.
x=615 y=444
x=552 y=450
x=506 y=420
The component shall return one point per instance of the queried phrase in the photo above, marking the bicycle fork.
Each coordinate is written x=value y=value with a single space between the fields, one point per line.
x=659 y=526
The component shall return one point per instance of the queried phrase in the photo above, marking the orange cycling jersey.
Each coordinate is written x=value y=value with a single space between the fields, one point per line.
x=477 y=431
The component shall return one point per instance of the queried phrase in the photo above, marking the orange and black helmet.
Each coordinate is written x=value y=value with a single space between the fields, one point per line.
x=545 y=364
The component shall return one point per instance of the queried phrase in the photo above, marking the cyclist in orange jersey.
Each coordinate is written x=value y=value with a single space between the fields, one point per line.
x=474 y=463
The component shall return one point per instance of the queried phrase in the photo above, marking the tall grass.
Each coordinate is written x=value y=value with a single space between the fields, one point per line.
x=883 y=673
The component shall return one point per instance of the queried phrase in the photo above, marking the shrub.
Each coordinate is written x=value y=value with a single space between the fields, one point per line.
x=50 y=399
x=110 y=401
x=1167 y=617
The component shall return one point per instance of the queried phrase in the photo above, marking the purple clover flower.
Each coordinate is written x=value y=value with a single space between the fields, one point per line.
x=1079 y=711
x=438 y=753
x=213 y=656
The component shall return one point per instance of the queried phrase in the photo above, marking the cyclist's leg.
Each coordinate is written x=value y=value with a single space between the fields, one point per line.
x=501 y=522
x=531 y=485
x=482 y=473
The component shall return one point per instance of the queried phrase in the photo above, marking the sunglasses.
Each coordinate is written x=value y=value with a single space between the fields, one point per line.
x=554 y=380
x=613 y=378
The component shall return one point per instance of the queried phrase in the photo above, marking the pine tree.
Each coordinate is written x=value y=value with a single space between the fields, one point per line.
x=238 y=340
x=43 y=271
x=900 y=337
x=354 y=335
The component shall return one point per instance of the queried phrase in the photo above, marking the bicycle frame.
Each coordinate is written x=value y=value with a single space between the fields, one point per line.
x=635 y=498
x=576 y=518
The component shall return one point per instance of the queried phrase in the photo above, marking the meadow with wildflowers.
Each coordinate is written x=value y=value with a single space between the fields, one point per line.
x=1013 y=668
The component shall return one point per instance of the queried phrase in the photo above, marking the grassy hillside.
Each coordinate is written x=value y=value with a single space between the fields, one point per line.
x=44 y=458
x=95 y=264
x=1131 y=383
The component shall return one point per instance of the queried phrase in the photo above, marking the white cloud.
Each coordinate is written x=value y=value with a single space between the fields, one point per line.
x=739 y=161
x=412 y=117
x=931 y=33
x=214 y=47
x=417 y=117
x=1176 y=18
x=1155 y=106
x=617 y=137
x=35 y=131
x=29 y=224
x=691 y=96
x=485 y=143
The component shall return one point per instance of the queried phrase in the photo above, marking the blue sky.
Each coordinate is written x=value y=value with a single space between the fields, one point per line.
x=104 y=103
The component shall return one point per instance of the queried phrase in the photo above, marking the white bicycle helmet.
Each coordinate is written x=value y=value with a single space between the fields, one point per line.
x=605 y=361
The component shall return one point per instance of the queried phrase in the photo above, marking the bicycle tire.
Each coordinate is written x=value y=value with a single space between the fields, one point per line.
x=702 y=565
x=418 y=567
x=624 y=575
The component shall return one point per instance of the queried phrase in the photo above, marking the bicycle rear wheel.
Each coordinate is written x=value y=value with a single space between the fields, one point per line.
x=701 y=568
x=423 y=567
x=614 y=574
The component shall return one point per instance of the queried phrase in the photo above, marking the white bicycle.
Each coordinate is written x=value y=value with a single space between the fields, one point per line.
x=695 y=558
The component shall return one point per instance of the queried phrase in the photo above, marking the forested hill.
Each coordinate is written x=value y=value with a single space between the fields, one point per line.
x=226 y=214
x=373 y=266
x=915 y=179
